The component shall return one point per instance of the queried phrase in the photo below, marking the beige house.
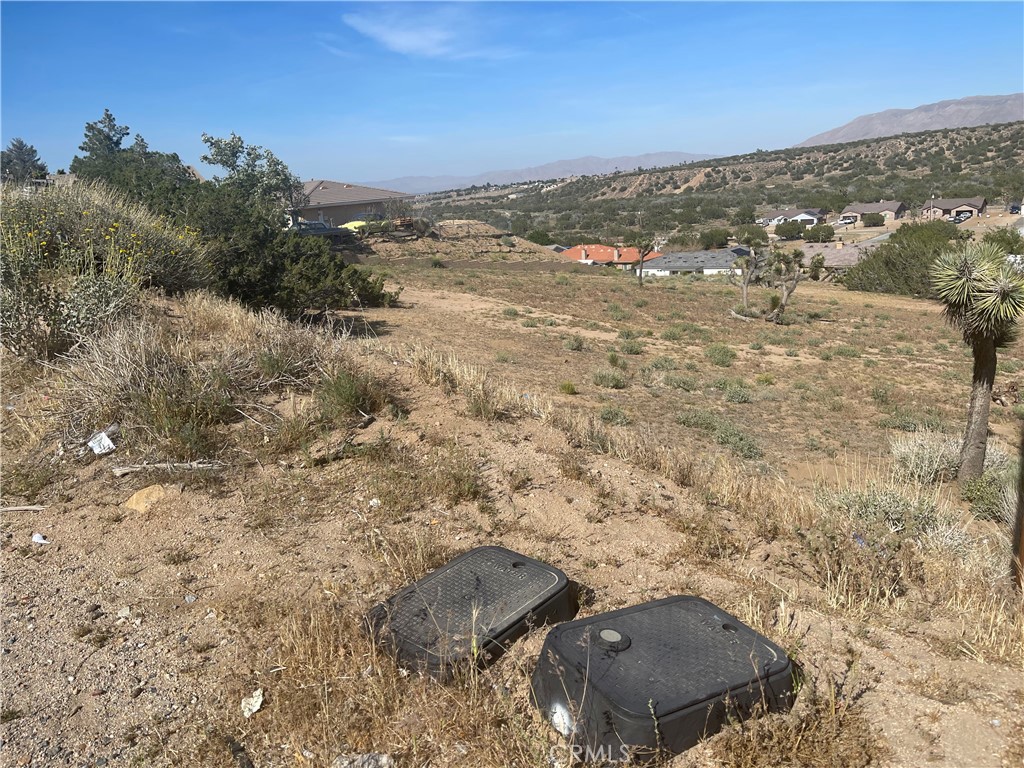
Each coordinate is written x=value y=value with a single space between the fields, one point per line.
x=336 y=203
x=939 y=208
x=890 y=210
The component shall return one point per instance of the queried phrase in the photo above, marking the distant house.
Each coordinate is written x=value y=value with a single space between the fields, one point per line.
x=335 y=202
x=839 y=256
x=940 y=208
x=809 y=216
x=608 y=256
x=556 y=248
x=696 y=262
x=890 y=210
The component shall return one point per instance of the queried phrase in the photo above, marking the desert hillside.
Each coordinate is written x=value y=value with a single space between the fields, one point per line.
x=640 y=439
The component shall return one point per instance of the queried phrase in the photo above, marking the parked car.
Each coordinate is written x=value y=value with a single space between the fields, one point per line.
x=1015 y=208
x=844 y=220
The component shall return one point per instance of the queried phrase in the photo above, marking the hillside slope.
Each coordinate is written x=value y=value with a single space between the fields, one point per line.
x=954 y=113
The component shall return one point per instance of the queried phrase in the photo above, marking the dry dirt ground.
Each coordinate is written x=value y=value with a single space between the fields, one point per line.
x=132 y=636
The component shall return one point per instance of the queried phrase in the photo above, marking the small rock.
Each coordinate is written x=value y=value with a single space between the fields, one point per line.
x=190 y=598
x=92 y=610
x=370 y=760
x=38 y=538
x=124 y=613
x=136 y=692
x=147 y=497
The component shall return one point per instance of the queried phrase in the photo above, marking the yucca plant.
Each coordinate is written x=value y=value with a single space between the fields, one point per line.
x=983 y=296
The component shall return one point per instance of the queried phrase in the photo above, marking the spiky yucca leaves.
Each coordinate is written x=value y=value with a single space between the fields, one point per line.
x=984 y=298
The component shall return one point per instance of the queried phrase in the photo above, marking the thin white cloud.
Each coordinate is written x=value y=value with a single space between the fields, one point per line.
x=445 y=32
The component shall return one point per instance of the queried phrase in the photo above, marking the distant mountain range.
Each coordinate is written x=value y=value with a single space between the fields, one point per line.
x=560 y=169
x=955 y=113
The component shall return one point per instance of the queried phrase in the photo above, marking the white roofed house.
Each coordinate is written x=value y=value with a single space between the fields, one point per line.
x=335 y=202
x=808 y=216
x=696 y=262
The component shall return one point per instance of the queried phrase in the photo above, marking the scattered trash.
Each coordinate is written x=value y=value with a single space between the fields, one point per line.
x=38 y=538
x=101 y=442
x=374 y=503
x=371 y=760
x=251 y=704
x=190 y=598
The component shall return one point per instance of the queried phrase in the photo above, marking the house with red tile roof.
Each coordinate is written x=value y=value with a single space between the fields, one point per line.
x=607 y=256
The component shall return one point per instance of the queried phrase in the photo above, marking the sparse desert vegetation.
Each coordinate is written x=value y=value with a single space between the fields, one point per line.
x=769 y=486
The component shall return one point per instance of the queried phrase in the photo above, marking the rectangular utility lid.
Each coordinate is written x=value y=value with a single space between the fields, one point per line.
x=666 y=655
x=478 y=597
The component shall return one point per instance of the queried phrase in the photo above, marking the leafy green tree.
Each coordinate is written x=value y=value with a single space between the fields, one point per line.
x=744 y=215
x=872 y=220
x=158 y=180
x=1007 y=238
x=716 y=237
x=820 y=233
x=540 y=237
x=983 y=297
x=790 y=230
x=257 y=172
x=20 y=162
x=901 y=264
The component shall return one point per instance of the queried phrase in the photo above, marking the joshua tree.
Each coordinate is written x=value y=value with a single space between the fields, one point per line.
x=983 y=296
x=751 y=264
x=784 y=273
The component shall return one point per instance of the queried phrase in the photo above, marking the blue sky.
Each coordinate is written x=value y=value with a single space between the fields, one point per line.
x=371 y=91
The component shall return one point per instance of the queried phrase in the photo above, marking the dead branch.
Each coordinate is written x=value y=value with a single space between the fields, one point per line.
x=738 y=316
x=169 y=466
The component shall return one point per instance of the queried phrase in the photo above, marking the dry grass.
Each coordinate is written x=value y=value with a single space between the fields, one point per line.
x=825 y=729
x=175 y=393
x=329 y=690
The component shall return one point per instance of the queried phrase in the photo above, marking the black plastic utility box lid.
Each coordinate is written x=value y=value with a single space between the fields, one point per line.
x=470 y=610
x=656 y=677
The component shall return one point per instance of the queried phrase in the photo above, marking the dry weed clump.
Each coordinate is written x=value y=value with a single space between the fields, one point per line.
x=330 y=691
x=486 y=397
x=175 y=393
x=925 y=457
x=826 y=728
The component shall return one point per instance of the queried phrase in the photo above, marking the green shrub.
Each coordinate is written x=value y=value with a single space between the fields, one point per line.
x=664 y=363
x=611 y=414
x=720 y=354
x=724 y=433
x=74 y=260
x=575 y=343
x=738 y=394
x=985 y=495
x=510 y=312
x=846 y=350
x=437 y=263
x=530 y=323
x=568 y=388
x=610 y=380
x=685 y=383
x=615 y=361
x=756 y=346
x=631 y=347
